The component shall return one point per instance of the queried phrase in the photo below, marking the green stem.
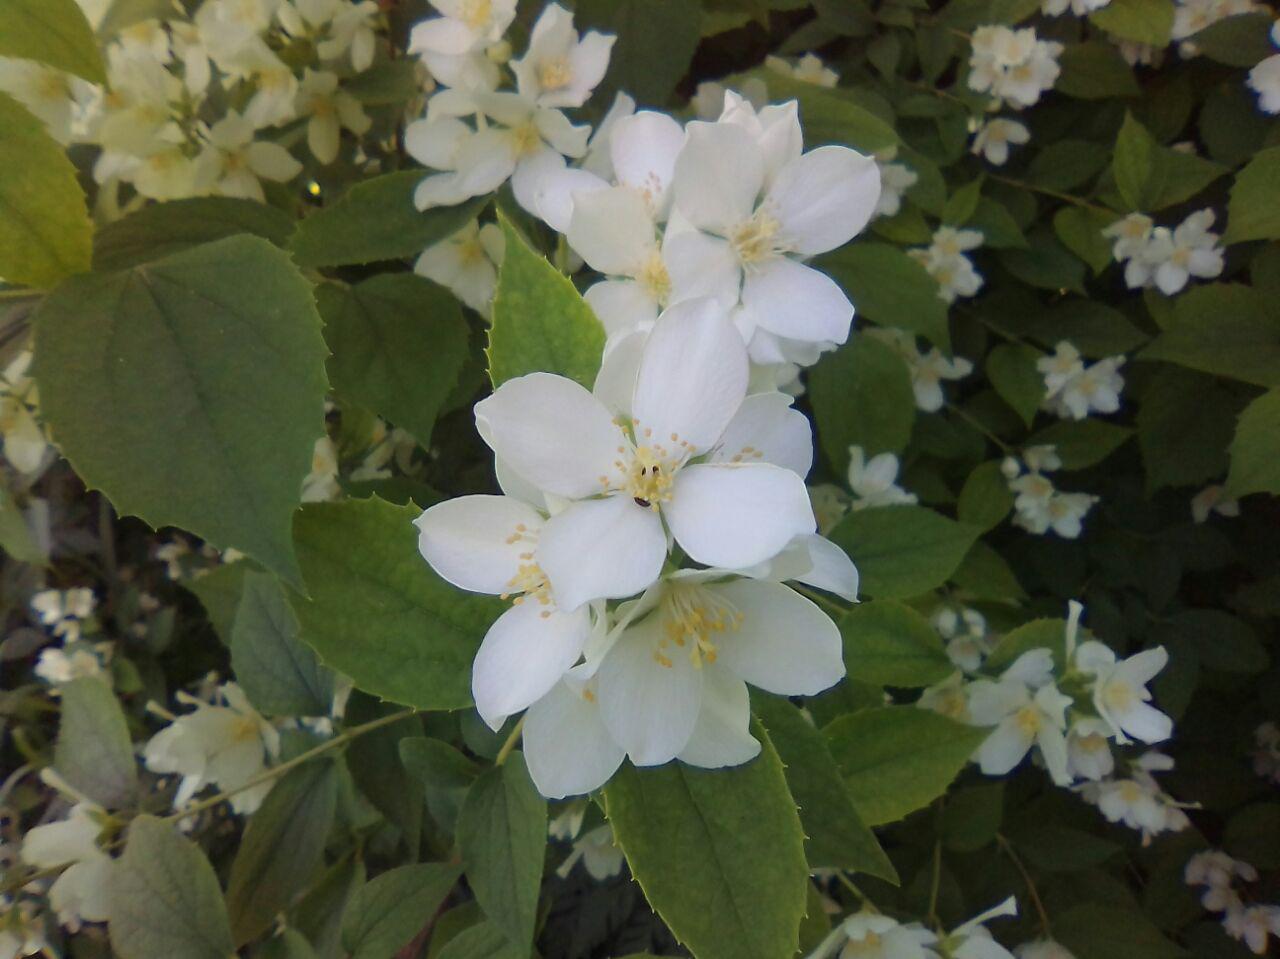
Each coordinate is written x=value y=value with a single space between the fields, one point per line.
x=1056 y=194
x=977 y=425
x=1007 y=848
x=830 y=604
x=863 y=898
x=510 y=744
x=934 y=886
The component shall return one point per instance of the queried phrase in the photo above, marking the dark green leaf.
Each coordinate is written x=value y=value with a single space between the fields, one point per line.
x=889 y=288
x=1226 y=329
x=1082 y=443
x=985 y=498
x=1254 y=213
x=437 y=764
x=1095 y=70
x=1139 y=21
x=656 y=40
x=1241 y=40
x=1011 y=367
x=278 y=672
x=162 y=229
x=1183 y=423
x=52 y=32
x=391 y=909
x=1255 y=450
x=889 y=644
x=93 y=752
x=902 y=551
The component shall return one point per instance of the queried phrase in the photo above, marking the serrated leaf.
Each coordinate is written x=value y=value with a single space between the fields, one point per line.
x=94 y=753
x=1081 y=443
x=162 y=229
x=889 y=288
x=1011 y=368
x=1223 y=328
x=376 y=220
x=277 y=671
x=835 y=835
x=889 y=644
x=164 y=898
x=191 y=391
x=502 y=834
x=1139 y=21
x=902 y=551
x=719 y=853
x=393 y=907
x=985 y=498
x=540 y=322
x=1254 y=212
x=52 y=32
x=1255 y=450
x=282 y=849
x=398 y=345
x=378 y=613
x=45 y=232
x=897 y=759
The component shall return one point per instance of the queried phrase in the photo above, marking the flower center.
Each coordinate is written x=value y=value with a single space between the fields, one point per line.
x=1093 y=743
x=692 y=616
x=650 y=476
x=866 y=946
x=1181 y=257
x=654 y=278
x=471 y=251
x=244 y=729
x=477 y=13
x=555 y=73
x=1118 y=696
x=526 y=138
x=529 y=580
x=755 y=240
x=1028 y=720
x=1130 y=791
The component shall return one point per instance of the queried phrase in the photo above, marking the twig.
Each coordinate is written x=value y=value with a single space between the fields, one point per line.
x=1007 y=847
x=510 y=744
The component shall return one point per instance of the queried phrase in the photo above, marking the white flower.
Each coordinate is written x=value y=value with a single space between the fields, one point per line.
x=23 y=931
x=1013 y=65
x=48 y=93
x=352 y=30
x=973 y=940
x=809 y=68
x=992 y=139
x=688 y=451
x=1213 y=499
x=467 y=263
x=873 y=935
x=242 y=161
x=1217 y=871
x=1079 y=8
x=1039 y=507
x=928 y=370
x=965 y=631
x=329 y=110
x=1253 y=925
x=64 y=610
x=755 y=206
x=1171 y=258
x=221 y=746
x=1264 y=79
x=895 y=180
x=452 y=46
x=599 y=853
x=874 y=482
x=1022 y=719
x=1089 y=750
x=1138 y=801
x=1043 y=949
x=1131 y=234
x=559 y=69
x=275 y=89
x=949 y=698
x=25 y=444
x=57 y=666
x=1120 y=691
x=946 y=262
x=80 y=891
x=321 y=484
x=1073 y=390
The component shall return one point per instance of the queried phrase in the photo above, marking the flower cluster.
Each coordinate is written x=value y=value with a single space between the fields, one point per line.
x=1218 y=874
x=606 y=494
x=1072 y=390
x=872 y=935
x=946 y=262
x=1038 y=505
x=966 y=635
x=1137 y=800
x=1155 y=256
x=1013 y=66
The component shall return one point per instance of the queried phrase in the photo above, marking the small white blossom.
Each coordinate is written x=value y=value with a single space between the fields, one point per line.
x=1039 y=506
x=874 y=481
x=453 y=45
x=560 y=69
x=57 y=666
x=1264 y=79
x=1217 y=872
x=949 y=698
x=1120 y=691
x=1012 y=65
x=1027 y=710
x=809 y=68
x=1072 y=390
x=946 y=262
x=1253 y=925
x=25 y=444
x=1171 y=257
x=1089 y=750
x=598 y=852
x=242 y=161
x=467 y=263
x=329 y=110
x=321 y=484
x=80 y=891
x=873 y=935
x=1138 y=801
x=895 y=180
x=993 y=137
x=928 y=370
x=64 y=610
x=965 y=631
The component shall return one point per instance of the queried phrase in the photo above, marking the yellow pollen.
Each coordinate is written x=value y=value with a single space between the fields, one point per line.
x=650 y=477
x=477 y=13
x=692 y=616
x=529 y=580
x=527 y=139
x=952 y=704
x=471 y=251
x=1028 y=720
x=1118 y=696
x=1130 y=791
x=244 y=728
x=754 y=239
x=555 y=74
x=655 y=280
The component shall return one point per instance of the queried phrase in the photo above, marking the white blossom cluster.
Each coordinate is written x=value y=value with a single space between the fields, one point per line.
x=1218 y=874
x=68 y=615
x=1073 y=390
x=597 y=849
x=1013 y=66
x=869 y=934
x=874 y=481
x=1155 y=256
x=1137 y=800
x=965 y=631
x=946 y=262
x=929 y=368
x=388 y=451
x=1038 y=505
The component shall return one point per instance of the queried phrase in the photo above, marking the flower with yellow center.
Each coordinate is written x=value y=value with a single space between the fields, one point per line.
x=1027 y=710
x=1120 y=692
x=560 y=69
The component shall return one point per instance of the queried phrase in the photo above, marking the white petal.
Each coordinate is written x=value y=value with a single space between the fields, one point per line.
x=552 y=432
x=613 y=231
x=784 y=644
x=601 y=549
x=831 y=568
x=643 y=148
x=718 y=176
x=523 y=655
x=1145 y=722
x=722 y=736
x=825 y=198
x=622 y=306
x=701 y=265
x=272 y=161
x=767 y=429
x=1003 y=749
x=736 y=516
x=1143 y=667
x=476 y=542
x=616 y=382
x=693 y=376
x=796 y=301
x=556 y=192
x=650 y=707
x=530 y=175
x=566 y=744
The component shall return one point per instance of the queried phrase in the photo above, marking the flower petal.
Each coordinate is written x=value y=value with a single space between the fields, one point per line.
x=722 y=735
x=622 y=306
x=734 y=516
x=718 y=176
x=784 y=644
x=644 y=148
x=476 y=542
x=613 y=231
x=796 y=301
x=601 y=549
x=766 y=429
x=825 y=198
x=566 y=744
x=1003 y=749
x=555 y=193
x=700 y=264
x=616 y=382
x=523 y=655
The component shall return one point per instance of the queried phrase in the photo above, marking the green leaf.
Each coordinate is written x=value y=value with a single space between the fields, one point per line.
x=962 y=203
x=1082 y=443
x=190 y=391
x=94 y=753
x=1056 y=848
x=889 y=288
x=985 y=498
x=902 y=551
x=719 y=853
x=1093 y=328
x=1000 y=231
x=540 y=322
x=1253 y=834
x=374 y=762
x=1255 y=450
x=831 y=115
x=52 y=32
x=835 y=835
x=1080 y=231
x=290 y=944
x=502 y=834
x=1150 y=176
x=318 y=914
x=1221 y=641
x=392 y=908
x=1183 y=421
x=1111 y=932
x=1240 y=41
x=437 y=764
x=485 y=940
x=1011 y=368
x=219 y=590
x=378 y=613
x=1050 y=634
x=1095 y=70
x=889 y=644
x=376 y=220
x=897 y=759
x=1067 y=164
x=1045 y=264
x=398 y=344
x=45 y=232
x=282 y=849
x=1140 y=21
x=985 y=574
x=278 y=672
x=861 y=396
x=390 y=82
x=972 y=817
x=162 y=229
x=15 y=535
x=164 y=899
x=655 y=45
x=1254 y=212
x=1222 y=328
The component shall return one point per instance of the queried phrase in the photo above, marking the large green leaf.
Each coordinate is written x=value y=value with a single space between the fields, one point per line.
x=861 y=396
x=1011 y=367
x=376 y=220
x=1095 y=70
x=1050 y=634
x=1184 y=421
x=902 y=551
x=93 y=751
x=282 y=848
x=1150 y=176
x=16 y=538
x=52 y=32
x=45 y=233
x=835 y=835
x=985 y=499
x=897 y=759
x=387 y=912
x=890 y=289
x=164 y=899
x=1139 y=21
x=1255 y=451
x=374 y=762
x=656 y=41
x=719 y=853
x=540 y=322
x=1226 y=329
x=502 y=833
x=1101 y=931
x=378 y=613
x=1254 y=212
x=161 y=229
x=1241 y=40
x=399 y=344
x=889 y=644
x=191 y=390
